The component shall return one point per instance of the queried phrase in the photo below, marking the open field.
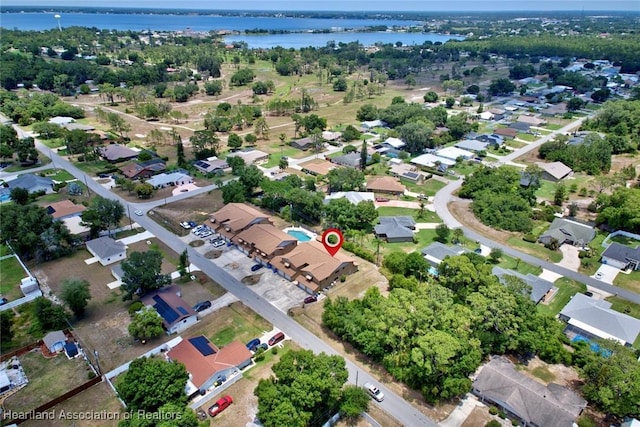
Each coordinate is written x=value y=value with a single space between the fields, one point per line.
x=48 y=379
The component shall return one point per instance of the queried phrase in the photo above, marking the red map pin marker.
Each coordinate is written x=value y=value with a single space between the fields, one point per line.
x=332 y=240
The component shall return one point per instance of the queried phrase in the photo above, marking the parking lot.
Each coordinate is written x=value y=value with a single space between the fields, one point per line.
x=274 y=288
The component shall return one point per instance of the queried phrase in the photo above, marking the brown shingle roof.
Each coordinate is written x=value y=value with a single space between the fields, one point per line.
x=237 y=217
x=202 y=367
x=506 y=132
x=266 y=239
x=318 y=167
x=64 y=208
x=385 y=184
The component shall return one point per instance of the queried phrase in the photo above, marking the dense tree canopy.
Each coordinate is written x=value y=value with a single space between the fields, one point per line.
x=592 y=156
x=306 y=390
x=620 y=210
x=102 y=214
x=150 y=383
x=142 y=273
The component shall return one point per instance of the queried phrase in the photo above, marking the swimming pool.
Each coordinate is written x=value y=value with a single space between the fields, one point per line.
x=300 y=235
x=594 y=346
x=433 y=271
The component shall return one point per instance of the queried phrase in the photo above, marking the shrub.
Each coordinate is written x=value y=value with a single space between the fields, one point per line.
x=135 y=307
x=343 y=278
x=529 y=238
x=493 y=423
x=358 y=251
x=493 y=410
x=274 y=350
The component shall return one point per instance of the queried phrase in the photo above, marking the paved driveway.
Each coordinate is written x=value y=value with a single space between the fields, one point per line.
x=570 y=259
x=606 y=273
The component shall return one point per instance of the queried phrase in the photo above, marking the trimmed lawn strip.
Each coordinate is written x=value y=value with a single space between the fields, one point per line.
x=427 y=216
x=48 y=379
x=509 y=262
x=566 y=289
x=4 y=250
x=61 y=175
x=11 y=273
x=629 y=281
x=239 y=324
x=429 y=187
x=535 y=249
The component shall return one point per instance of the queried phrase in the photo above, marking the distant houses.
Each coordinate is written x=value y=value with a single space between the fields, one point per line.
x=213 y=166
x=115 y=153
x=32 y=183
x=139 y=170
x=385 y=185
x=554 y=171
x=175 y=178
x=251 y=157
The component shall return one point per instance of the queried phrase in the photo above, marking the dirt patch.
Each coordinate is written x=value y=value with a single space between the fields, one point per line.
x=479 y=416
x=213 y=254
x=196 y=243
x=196 y=208
x=251 y=280
x=560 y=374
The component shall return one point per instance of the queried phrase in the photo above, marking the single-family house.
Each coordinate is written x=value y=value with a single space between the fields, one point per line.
x=507 y=132
x=531 y=120
x=454 y=153
x=317 y=167
x=436 y=252
x=590 y=317
x=555 y=110
x=138 y=170
x=429 y=160
x=386 y=185
x=519 y=126
x=493 y=139
x=207 y=363
x=64 y=209
x=538 y=288
x=522 y=397
x=354 y=197
x=395 y=229
x=486 y=115
x=498 y=113
x=568 y=231
x=215 y=166
x=368 y=125
x=622 y=257
x=303 y=143
x=251 y=157
x=107 y=250
x=264 y=241
x=61 y=120
x=331 y=137
x=403 y=170
x=351 y=160
x=32 y=183
x=554 y=171
x=174 y=178
x=176 y=314
x=472 y=145
x=310 y=267
x=55 y=341
x=234 y=218
x=396 y=143
x=79 y=126
x=117 y=153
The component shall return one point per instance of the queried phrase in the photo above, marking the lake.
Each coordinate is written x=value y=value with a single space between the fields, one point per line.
x=205 y=23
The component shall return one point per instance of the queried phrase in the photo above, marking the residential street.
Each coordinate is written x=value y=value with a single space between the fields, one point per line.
x=393 y=404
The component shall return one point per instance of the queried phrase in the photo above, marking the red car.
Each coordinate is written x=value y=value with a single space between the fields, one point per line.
x=220 y=405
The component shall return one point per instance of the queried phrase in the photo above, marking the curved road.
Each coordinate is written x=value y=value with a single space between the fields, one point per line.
x=393 y=404
x=445 y=195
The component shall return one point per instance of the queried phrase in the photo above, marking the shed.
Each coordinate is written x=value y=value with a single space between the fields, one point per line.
x=55 y=341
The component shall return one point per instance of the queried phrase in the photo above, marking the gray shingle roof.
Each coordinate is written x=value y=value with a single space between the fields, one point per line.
x=439 y=251
x=622 y=253
x=563 y=229
x=586 y=312
x=52 y=338
x=31 y=183
x=105 y=247
x=395 y=226
x=539 y=287
x=533 y=402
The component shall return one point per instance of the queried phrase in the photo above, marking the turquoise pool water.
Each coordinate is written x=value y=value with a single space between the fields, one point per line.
x=303 y=237
x=433 y=271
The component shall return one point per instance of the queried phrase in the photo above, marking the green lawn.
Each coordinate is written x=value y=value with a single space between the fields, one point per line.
x=430 y=187
x=239 y=327
x=11 y=273
x=514 y=144
x=553 y=126
x=274 y=159
x=4 y=250
x=547 y=190
x=465 y=168
x=624 y=240
x=527 y=137
x=535 y=249
x=629 y=281
x=508 y=262
x=61 y=175
x=93 y=167
x=427 y=215
x=53 y=143
x=624 y=306
x=423 y=237
x=566 y=289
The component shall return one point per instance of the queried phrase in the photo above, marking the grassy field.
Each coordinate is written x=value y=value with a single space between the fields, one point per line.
x=48 y=379
x=511 y=263
x=566 y=289
x=535 y=249
x=429 y=187
x=624 y=306
x=11 y=272
x=527 y=137
x=61 y=175
x=238 y=325
x=514 y=144
x=547 y=190
x=629 y=281
x=4 y=250
x=423 y=237
x=553 y=126
x=427 y=216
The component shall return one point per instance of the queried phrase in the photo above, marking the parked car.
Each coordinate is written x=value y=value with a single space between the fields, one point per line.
x=192 y=224
x=381 y=199
x=185 y=225
x=202 y=306
x=197 y=229
x=276 y=338
x=222 y=404
x=218 y=243
x=310 y=299
x=256 y=267
x=374 y=392
x=589 y=294
x=263 y=346
x=253 y=344
x=139 y=212
x=3 y=300
x=599 y=275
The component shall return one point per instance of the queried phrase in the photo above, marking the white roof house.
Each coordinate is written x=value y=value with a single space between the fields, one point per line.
x=472 y=145
x=429 y=160
x=61 y=120
x=394 y=143
x=454 y=153
x=164 y=179
x=595 y=317
x=354 y=197
x=251 y=157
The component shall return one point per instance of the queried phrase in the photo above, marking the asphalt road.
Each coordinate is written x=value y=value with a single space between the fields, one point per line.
x=395 y=405
x=445 y=195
